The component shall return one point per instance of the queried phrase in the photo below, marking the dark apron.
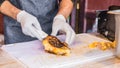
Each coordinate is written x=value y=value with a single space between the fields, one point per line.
x=44 y=10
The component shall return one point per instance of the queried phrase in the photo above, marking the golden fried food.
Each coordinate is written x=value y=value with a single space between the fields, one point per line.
x=103 y=45
x=55 y=46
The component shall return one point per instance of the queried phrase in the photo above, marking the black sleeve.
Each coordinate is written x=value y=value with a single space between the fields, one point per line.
x=1 y=1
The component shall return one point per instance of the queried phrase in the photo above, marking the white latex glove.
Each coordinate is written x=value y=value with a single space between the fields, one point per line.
x=30 y=25
x=59 y=23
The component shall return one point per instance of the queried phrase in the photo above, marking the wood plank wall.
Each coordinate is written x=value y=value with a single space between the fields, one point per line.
x=1 y=24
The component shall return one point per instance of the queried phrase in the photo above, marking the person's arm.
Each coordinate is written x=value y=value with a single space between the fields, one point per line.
x=25 y=19
x=8 y=9
x=65 y=8
x=59 y=22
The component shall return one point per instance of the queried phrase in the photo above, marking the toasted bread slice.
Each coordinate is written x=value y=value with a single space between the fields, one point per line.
x=55 y=46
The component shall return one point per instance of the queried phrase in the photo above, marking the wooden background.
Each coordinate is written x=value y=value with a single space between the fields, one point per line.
x=1 y=23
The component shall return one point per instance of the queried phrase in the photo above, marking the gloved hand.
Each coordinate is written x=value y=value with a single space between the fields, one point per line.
x=30 y=25
x=59 y=23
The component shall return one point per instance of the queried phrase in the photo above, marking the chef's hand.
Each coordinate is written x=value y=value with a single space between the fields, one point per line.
x=30 y=25
x=59 y=23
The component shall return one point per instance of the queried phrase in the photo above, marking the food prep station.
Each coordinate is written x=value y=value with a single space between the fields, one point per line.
x=32 y=55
